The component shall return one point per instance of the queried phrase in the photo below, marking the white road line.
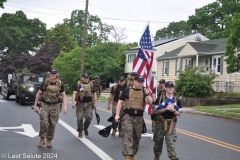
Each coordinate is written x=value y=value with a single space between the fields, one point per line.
x=88 y=143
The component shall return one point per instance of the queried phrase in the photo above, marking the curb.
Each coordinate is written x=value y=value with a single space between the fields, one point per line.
x=190 y=110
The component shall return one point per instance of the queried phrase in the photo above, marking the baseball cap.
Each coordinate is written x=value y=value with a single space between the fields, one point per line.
x=169 y=84
x=53 y=71
x=121 y=79
x=85 y=75
x=162 y=81
x=139 y=78
x=134 y=74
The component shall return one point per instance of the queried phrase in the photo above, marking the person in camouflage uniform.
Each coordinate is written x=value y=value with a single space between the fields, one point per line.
x=82 y=97
x=129 y=81
x=51 y=91
x=97 y=85
x=156 y=92
x=164 y=124
x=132 y=121
x=113 y=98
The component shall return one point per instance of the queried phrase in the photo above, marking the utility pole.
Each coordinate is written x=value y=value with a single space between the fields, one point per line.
x=84 y=37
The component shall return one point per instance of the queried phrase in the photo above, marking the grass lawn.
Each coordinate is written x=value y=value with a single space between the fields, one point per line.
x=232 y=110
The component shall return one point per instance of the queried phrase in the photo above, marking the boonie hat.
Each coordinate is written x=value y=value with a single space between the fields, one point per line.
x=85 y=75
x=139 y=78
x=53 y=71
x=96 y=77
x=162 y=81
x=121 y=79
x=169 y=84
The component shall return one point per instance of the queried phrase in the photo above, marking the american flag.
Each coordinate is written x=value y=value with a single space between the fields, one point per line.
x=165 y=103
x=143 y=63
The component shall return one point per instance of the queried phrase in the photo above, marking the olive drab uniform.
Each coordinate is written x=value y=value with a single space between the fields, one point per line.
x=132 y=121
x=97 y=85
x=114 y=105
x=50 y=109
x=164 y=125
x=84 y=104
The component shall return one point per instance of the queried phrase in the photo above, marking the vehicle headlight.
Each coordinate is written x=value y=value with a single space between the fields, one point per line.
x=24 y=87
x=31 y=89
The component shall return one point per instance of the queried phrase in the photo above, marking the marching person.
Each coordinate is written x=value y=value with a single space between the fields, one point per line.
x=97 y=85
x=51 y=90
x=83 y=93
x=129 y=82
x=132 y=121
x=164 y=124
x=158 y=89
x=114 y=97
x=156 y=92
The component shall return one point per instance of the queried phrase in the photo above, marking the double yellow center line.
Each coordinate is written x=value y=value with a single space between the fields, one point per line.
x=198 y=136
x=204 y=138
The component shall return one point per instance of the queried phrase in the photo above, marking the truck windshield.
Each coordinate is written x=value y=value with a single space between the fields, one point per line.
x=32 y=78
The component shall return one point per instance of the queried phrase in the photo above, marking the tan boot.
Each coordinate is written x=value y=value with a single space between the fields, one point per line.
x=80 y=135
x=120 y=134
x=49 y=144
x=114 y=132
x=156 y=158
x=174 y=158
x=42 y=142
x=86 y=131
x=127 y=158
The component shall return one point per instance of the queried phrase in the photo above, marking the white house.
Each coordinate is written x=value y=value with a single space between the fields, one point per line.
x=161 y=47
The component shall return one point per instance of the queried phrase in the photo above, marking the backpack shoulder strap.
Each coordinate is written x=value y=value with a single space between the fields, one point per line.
x=114 y=88
x=78 y=85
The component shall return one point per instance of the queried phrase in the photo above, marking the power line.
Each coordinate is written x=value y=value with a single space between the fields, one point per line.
x=33 y=11
x=40 y=6
x=140 y=20
x=114 y=11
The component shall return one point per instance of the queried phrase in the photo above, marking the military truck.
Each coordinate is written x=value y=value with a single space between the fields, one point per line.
x=8 y=87
x=27 y=85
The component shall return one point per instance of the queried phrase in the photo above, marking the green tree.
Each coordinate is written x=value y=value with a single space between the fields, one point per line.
x=96 y=30
x=232 y=31
x=106 y=60
x=60 y=33
x=207 y=19
x=191 y=83
x=1 y=3
x=20 y=35
x=174 y=29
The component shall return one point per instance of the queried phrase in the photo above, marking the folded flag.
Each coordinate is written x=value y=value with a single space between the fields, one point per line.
x=165 y=103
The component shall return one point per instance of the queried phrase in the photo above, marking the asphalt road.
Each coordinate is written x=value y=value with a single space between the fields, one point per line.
x=199 y=137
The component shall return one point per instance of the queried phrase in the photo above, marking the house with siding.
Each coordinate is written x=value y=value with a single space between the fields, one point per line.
x=206 y=54
x=161 y=47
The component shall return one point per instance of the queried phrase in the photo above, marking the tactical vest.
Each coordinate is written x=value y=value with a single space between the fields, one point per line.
x=51 y=93
x=86 y=92
x=135 y=100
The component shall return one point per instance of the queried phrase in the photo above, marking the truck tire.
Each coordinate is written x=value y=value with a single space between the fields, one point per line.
x=22 y=99
x=17 y=99
x=7 y=97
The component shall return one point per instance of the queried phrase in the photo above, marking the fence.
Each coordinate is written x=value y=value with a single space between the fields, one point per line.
x=223 y=86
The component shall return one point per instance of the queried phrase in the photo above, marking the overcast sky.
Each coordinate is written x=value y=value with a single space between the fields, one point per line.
x=131 y=14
